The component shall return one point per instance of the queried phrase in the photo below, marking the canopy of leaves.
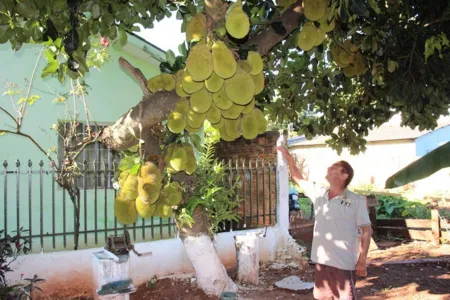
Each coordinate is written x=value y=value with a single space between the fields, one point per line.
x=403 y=42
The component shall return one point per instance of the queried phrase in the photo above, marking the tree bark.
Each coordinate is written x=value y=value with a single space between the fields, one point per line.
x=247 y=256
x=211 y=275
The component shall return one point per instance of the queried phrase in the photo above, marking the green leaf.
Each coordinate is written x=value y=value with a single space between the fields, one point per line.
x=170 y=57
x=182 y=49
x=126 y=163
x=33 y=99
x=197 y=142
x=135 y=169
x=95 y=11
x=358 y=7
x=51 y=68
x=192 y=9
x=425 y=166
x=27 y=9
x=374 y=5
x=62 y=72
x=2 y=133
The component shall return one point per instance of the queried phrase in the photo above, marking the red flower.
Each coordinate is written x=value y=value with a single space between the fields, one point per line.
x=17 y=244
x=104 y=42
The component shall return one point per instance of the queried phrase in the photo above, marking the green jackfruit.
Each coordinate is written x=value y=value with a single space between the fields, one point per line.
x=233 y=112
x=162 y=210
x=176 y=122
x=214 y=83
x=189 y=85
x=307 y=37
x=223 y=59
x=149 y=182
x=224 y=135
x=314 y=9
x=125 y=211
x=249 y=107
x=178 y=159
x=195 y=120
x=255 y=59
x=219 y=124
x=191 y=129
x=179 y=84
x=213 y=115
x=259 y=81
x=200 y=62
x=144 y=210
x=236 y=21
x=196 y=28
x=182 y=106
x=233 y=128
x=221 y=100
x=240 y=88
x=201 y=101
x=129 y=188
x=168 y=81
x=249 y=126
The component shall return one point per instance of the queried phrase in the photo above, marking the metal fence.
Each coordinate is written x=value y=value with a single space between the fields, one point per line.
x=32 y=200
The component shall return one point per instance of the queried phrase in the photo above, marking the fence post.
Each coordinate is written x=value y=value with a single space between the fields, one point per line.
x=282 y=187
x=435 y=226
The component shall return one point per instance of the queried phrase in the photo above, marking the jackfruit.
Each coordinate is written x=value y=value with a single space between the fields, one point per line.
x=249 y=126
x=125 y=211
x=168 y=82
x=233 y=112
x=240 y=88
x=178 y=159
x=224 y=135
x=219 y=124
x=307 y=37
x=245 y=65
x=233 y=128
x=176 y=122
x=195 y=120
x=255 y=59
x=191 y=129
x=182 y=106
x=356 y=67
x=259 y=81
x=189 y=85
x=201 y=101
x=149 y=182
x=249 y=107
x=122 y=177
x=214 y=83
x=191 y=164
x=236 y=21
x=261 y=121
x=200 y=62
x=335 y=54
x=223 y=60
x=221 y=100
x=196 y=28
x=314 y=9
x=129 y=188
x=162 y=210
x=179 y=84
x=213 y=115
x=144 y=210
x=325 y=25
x=152 y=85
x=321 y=35
x=172 y=194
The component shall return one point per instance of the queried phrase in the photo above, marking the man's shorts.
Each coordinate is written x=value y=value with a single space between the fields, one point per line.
x=334 y=283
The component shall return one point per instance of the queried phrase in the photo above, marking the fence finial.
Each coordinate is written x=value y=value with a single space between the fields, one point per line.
x=30 y=164
x=17 y=163
x=5 y=164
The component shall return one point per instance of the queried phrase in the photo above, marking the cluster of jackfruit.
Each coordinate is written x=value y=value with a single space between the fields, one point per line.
x=216 y=87
x=180 y=157
x=349 y=58
x=311 y=36
x=163 y=82
x=141 y=195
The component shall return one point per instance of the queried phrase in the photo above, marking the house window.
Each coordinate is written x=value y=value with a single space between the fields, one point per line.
x=96 y=161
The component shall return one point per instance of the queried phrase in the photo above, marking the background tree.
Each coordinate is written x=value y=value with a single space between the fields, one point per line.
x=331 y=67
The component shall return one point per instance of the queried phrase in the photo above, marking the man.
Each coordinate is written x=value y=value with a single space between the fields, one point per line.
x=338 y=215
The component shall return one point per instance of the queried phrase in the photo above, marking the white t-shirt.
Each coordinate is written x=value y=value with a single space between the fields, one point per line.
x=335 y=241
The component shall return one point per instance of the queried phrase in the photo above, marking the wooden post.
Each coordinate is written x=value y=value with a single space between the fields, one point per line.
x=435 y=226
x=247 y=256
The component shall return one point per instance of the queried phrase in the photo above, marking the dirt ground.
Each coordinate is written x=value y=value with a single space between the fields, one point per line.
x=399 y=281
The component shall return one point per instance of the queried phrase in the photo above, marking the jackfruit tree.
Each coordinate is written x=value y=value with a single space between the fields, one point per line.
x=329 y=67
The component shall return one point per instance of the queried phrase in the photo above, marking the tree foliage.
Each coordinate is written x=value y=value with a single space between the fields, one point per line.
x=404 y=44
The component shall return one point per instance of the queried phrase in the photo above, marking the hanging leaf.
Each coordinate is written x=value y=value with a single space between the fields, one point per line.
x=170 y=57
x=123 y=36
x=425 y=166
x=51 y=68
x=358 y=7
x=374 y=5
x=126 y=163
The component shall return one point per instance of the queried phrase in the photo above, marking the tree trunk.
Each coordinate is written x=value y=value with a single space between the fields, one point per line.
x=247 y=255
x=211 y=275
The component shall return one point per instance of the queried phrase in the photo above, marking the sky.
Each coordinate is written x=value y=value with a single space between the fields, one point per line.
x=165 y=34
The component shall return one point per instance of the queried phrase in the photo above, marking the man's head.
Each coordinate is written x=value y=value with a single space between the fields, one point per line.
x=340 y=174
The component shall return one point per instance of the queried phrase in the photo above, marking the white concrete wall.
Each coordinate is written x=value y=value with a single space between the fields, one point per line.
x=70 y=273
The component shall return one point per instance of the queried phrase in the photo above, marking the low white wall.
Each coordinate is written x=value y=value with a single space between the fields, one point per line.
x=69 y=271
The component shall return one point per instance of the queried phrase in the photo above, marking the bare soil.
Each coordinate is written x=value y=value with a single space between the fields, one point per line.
x=400 y=281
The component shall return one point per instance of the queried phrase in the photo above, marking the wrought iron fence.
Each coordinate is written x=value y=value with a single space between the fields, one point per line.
x=32 y=200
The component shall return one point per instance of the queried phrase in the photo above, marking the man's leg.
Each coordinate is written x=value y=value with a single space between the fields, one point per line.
x=322 y=288
x=342 y=283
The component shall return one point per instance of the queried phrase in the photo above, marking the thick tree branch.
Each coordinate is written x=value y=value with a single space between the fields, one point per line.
x=136 y=74
x=268 y=38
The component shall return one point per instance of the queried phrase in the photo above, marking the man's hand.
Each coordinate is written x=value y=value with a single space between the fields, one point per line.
x=361 y=268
